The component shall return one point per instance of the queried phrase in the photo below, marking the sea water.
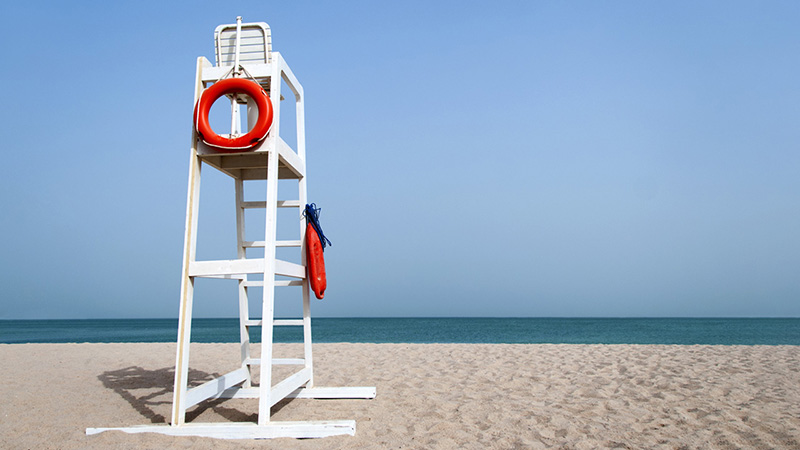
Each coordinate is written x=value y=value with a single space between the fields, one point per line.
x=686 y=331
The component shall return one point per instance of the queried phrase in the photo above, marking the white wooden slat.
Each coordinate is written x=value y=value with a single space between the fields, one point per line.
x=256 y=55
x=226 y=267
x=254 y=205
x=244 y=301
x=289 y=77
x=289 y=385
x=243 y=266
x=290 y=159
x=281 y=204
x=248 y=38
x=226 y=277
x=288 y=361
x=277 y=361
x=282 y=283
x=334 y=392
x=257 y=49
x=253 y=322
x=227 y=430
x=289 y=269
x=189 y=253
x=259 y=71
x=261 y=244
x=288 y=322
x=215 y=387
x=248 y=31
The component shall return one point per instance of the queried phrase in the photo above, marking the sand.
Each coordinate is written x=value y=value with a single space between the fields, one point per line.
x=429 y=396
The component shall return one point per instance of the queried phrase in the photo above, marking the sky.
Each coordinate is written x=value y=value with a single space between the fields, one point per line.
x=504 y=159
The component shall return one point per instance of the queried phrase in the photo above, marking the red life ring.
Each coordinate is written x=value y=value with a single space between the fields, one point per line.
x=315 y=262
x=230 y=86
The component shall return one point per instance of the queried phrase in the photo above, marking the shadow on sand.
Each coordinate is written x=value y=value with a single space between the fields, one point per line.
x=148 y=390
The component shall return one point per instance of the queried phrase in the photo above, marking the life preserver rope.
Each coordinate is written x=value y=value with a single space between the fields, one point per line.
x=233 y=86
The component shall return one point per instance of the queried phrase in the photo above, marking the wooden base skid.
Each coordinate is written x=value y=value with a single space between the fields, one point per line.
x=298 y=430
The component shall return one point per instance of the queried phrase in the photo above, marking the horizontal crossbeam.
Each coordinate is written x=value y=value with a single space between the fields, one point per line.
x=215 y=269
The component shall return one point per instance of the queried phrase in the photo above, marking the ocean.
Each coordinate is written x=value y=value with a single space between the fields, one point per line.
x=684 y=331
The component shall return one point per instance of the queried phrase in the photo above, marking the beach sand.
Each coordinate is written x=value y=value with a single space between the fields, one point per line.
x=428 y=396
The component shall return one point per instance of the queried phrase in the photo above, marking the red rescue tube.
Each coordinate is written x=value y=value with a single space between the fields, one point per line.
x=315 y=262
x=233 y=86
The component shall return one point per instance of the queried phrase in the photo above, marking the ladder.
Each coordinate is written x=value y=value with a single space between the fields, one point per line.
x=271 y=160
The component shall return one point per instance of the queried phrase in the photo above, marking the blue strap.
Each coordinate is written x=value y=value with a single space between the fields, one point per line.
x=311 y=214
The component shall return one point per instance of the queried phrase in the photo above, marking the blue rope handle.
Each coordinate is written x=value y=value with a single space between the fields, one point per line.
x=311 y=214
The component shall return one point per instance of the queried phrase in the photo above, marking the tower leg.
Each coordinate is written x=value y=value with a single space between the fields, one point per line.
x=187 y=293
x=270 y=234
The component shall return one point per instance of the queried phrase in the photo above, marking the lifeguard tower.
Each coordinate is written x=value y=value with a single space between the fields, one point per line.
x=244 y=58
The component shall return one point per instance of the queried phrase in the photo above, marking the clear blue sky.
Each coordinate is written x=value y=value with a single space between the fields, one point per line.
x=612 y=158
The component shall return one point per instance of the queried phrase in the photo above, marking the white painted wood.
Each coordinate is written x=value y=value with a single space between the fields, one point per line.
x=244 y=304
x=213 y=388
x=260 y=244
x=270 y=160
x=289 y=269
x=227 y=277
x=289 y=385
x=278 y=361
x=281 y=204
x=354 y=392
x=258 y=283
x=288 y=362
x=187 y=283
x=295 y=243
x=254 y=205
x=297 y=430
x=236 y=392
x=265 y=399
x=292 y=161
x=288 y=322
x=254 y=41
x=244 y=266
x=226 y=267
x=334 y=392
x=291 y=80
x=303 y=200
x=291 y=204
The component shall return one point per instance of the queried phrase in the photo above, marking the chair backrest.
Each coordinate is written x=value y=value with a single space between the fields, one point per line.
x=255 y=44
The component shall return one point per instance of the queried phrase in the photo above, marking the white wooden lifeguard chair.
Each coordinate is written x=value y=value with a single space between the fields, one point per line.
x=245 y=49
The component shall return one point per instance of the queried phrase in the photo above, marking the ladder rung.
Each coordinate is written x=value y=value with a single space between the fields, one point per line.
x=259 y=283
x=288 y=322
x=262 y=244
x=277 y=322
x=276 y=361
x=281 y=204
